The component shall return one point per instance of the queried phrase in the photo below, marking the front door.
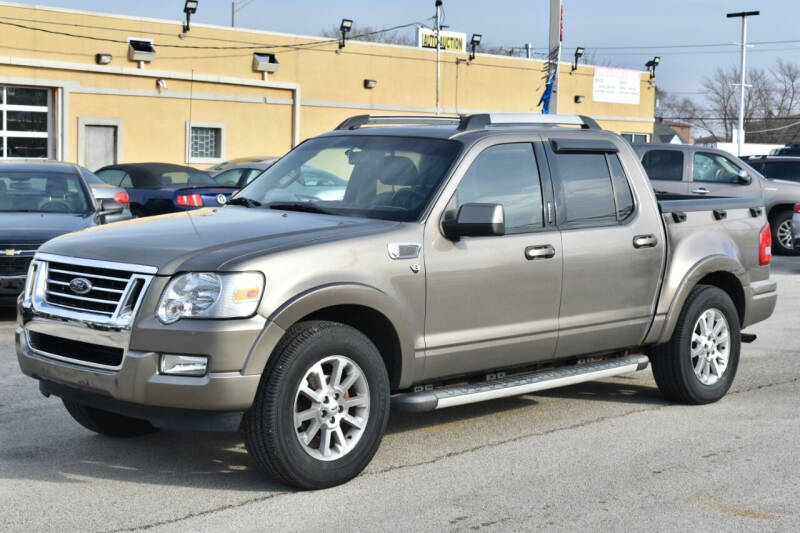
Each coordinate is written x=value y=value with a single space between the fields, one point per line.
x=714 y=174
x=489 y=304
x=613 y=251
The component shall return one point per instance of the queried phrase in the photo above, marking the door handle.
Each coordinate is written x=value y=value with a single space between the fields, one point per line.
x=544 y=251
x=701 y=190
x=645 y=241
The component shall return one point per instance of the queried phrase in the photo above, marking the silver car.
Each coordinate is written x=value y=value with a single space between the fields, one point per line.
x=101 y=189
x=308 y=185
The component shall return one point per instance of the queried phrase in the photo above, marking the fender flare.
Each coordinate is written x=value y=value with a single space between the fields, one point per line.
x=704 y=267
x=329 y=295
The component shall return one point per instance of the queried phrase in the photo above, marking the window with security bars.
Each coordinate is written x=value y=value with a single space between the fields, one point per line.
x=206 y=142
x=24 y=122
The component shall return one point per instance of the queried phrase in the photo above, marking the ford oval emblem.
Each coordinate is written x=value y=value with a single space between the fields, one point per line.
x=80 y=285
x=221 y=199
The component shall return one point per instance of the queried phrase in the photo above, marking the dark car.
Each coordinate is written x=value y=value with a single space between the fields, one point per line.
x=39 y=201
x=158 y=188
x=776 y=167
x=789 y=149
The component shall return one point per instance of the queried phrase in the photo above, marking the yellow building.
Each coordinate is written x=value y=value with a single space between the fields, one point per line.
x=97 y=88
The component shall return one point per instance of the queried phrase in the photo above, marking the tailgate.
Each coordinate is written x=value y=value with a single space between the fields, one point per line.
x=204 y=196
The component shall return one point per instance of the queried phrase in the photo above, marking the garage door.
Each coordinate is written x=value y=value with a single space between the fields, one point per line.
x=24 y=122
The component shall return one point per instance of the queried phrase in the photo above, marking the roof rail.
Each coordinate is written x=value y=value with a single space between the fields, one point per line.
x=353 y=123
x=471 y=122
x=482 y=120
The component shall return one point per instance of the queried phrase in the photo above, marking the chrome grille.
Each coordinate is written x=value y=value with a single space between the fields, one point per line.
x=96 y=291
x=15 y=258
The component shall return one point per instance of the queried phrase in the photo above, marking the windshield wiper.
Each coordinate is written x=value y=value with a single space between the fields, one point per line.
x=246 y=202
x=305 y=207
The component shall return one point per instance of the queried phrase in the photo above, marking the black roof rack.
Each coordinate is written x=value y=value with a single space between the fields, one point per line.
x=472 y=122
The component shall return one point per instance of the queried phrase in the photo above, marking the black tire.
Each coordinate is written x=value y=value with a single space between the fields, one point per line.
x=268 y=425
x=108 y=423
x=781 y=217
x=672 y=362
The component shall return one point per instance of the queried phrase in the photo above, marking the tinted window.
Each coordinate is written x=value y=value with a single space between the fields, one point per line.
x=181 y=177
x=622 y=189
x=120 y=178
x=783 y=170
x=714 y=168
x=254 y=173
x=586 y=192
x=230 y=177
x=664 y=164
x=506 y=174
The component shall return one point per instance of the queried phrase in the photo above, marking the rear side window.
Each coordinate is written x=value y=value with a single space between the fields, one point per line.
x=506 y=174
x=664 y=164
x=783 y=170
x=120 y=178
x=586 y=195
x=622 y=189
x=714 y=168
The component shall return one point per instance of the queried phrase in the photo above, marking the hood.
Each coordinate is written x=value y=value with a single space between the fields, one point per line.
x=36 y=228
x=209 y=239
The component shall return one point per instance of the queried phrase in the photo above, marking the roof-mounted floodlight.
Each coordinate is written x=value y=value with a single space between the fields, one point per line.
x=190 y=8
x=344 y=29
x=651 y=66
x=578 y=54
x=473 y=44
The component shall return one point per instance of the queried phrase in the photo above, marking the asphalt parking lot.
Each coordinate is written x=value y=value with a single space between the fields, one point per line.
x=598 y=456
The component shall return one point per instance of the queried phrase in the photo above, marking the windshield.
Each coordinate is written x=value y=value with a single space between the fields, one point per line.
x=390 y=178
x=42 y=192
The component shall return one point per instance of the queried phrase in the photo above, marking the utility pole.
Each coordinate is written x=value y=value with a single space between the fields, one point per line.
x=438 y=52
x=743 y=15
x=235 y=8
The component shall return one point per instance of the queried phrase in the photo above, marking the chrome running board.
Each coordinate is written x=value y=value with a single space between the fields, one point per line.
x=428 y=400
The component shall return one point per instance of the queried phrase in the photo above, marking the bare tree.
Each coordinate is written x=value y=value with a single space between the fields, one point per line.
x=772 y=104
x=404 y=37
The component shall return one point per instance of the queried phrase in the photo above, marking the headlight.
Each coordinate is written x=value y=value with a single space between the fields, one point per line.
x=210 y=295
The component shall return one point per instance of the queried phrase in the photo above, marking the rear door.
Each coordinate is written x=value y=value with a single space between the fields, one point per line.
x=666 y=170
x=715 y=174
x=613 y=249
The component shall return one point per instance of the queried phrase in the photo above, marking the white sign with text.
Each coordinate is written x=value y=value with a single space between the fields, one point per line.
x=616 y=85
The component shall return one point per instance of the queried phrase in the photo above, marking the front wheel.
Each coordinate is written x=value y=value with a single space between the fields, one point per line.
x=782 y=239
x=699 y=362
x=321 y=407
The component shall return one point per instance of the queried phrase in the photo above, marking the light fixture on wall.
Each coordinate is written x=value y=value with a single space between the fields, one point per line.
x=141 y=50
x=161 y=85
x=651 y=66
x=473 y=44
x=190 y=8
x=344 y=29
x=579 y=98
x=102 y=59
x=265 y=63
x=370 y=84
x=578 y=54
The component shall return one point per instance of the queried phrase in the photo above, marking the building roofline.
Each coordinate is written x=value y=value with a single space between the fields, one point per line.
x=178 y=22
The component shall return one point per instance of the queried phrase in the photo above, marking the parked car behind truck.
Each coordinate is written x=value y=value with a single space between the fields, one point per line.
x=705 y=172
x=468 y=259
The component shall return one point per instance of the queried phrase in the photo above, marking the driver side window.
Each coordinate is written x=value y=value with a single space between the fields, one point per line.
x=714 y=168
x=506 y=174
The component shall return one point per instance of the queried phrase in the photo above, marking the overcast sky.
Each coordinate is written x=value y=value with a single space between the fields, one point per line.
x=647 y=27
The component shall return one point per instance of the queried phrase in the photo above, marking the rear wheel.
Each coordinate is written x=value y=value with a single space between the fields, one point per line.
x=108 y=423
x=321 y=408
x=699 y=362
x=782 y=240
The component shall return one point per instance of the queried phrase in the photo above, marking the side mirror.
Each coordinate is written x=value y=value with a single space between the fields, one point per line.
x=744 y=177
x=109 y=206
x=475 y=220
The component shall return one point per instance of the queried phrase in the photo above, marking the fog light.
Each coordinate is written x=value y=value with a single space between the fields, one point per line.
x=184 y=365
